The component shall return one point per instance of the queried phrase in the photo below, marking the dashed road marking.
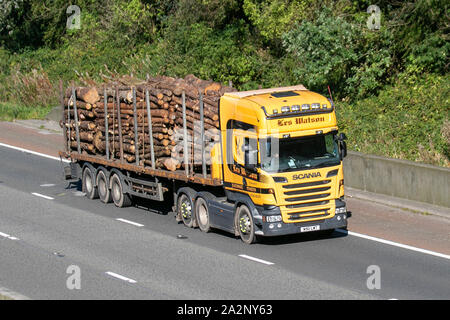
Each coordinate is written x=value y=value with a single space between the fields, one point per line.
x=42 y=196
x=130 y=222
x=47 y=185
x=255 y=259
x=118 y=276
x=7 y=236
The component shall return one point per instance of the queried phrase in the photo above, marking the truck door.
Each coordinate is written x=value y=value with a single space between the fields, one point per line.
x=242 y=153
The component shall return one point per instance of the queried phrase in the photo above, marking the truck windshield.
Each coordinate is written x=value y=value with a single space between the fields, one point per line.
x=298 y=153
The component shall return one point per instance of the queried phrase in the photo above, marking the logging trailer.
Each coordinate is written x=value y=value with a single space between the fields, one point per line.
x=275 y=169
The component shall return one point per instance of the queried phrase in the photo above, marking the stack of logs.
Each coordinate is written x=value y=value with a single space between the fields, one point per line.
x=166 y=109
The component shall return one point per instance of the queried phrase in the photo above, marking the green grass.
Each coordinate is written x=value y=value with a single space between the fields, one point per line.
x=10 y=111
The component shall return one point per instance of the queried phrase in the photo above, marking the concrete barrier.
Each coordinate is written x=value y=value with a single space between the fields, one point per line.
x=398 y=178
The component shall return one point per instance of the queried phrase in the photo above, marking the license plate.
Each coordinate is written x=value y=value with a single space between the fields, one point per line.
x=310 y=228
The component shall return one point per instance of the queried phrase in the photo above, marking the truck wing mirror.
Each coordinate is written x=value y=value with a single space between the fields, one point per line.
x=343 y=148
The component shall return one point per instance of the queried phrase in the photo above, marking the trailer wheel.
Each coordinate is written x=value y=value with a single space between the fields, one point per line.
x=202 y=214
x=103 y=187
x=245 y=225
x=88 y=185
x=119 y=198
x=185 y=208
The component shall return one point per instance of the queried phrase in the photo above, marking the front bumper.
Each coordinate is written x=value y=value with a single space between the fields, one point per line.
x=280 y=228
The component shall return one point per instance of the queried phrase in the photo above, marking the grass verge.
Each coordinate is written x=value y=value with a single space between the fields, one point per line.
x=10 y=112
x=407 y=120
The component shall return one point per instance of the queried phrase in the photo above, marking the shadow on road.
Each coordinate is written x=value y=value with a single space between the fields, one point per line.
x=165 y=208
x=301 y=237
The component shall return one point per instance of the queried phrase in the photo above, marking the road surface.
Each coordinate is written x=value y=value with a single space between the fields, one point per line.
x=48 y=229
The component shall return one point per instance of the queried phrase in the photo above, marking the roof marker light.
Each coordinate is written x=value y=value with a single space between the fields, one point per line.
x=295 y=108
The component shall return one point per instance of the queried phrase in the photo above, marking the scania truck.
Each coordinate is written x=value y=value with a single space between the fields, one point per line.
x=276 y=169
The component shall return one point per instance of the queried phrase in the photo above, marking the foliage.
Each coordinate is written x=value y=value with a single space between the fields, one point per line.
x=383 y=79
x=421 y=32
x=344 y=55
x=408 y=120
x=274 y=18
x=318 y=46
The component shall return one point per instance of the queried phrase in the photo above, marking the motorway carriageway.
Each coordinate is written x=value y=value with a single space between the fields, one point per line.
x=48 y=228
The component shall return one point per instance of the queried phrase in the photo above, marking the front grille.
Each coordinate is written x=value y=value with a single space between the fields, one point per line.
x=295 y=192
x=311 y=197
x=306 y=184
x=307 y=204
x=305 y=215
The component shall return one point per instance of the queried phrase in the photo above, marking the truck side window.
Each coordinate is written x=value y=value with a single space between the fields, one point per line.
x=251 y=152
x=243 y=144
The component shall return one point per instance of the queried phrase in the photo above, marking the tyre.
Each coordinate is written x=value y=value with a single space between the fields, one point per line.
x=202 y=214
x=245 y=225
x=103 y=187
x=185 y=208
x=88 y=185
x=119 y=198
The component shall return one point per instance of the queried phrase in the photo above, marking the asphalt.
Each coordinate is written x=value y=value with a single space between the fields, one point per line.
x=70 y=230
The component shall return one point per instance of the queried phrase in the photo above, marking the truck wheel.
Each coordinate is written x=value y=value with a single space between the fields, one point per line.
x=88 y=183
x=202 y=214
x=185 y=209
x=245 y=225
x=102 y=187
x=119 y=198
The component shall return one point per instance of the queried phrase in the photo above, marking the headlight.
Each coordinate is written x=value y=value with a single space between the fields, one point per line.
x=275 y=218
x=285 y=109
x=341 y=210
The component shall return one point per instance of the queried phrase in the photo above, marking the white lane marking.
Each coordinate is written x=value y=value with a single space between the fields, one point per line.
x=7 y=236
x=396 y=244
x=12 y=295
x=42 y=196
x=255 y=259
x=130 y=222
x=47 y=185
x=33 y=152
x=118 y=276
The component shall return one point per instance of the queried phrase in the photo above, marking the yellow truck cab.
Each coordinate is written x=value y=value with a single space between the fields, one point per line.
x=281 y=163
